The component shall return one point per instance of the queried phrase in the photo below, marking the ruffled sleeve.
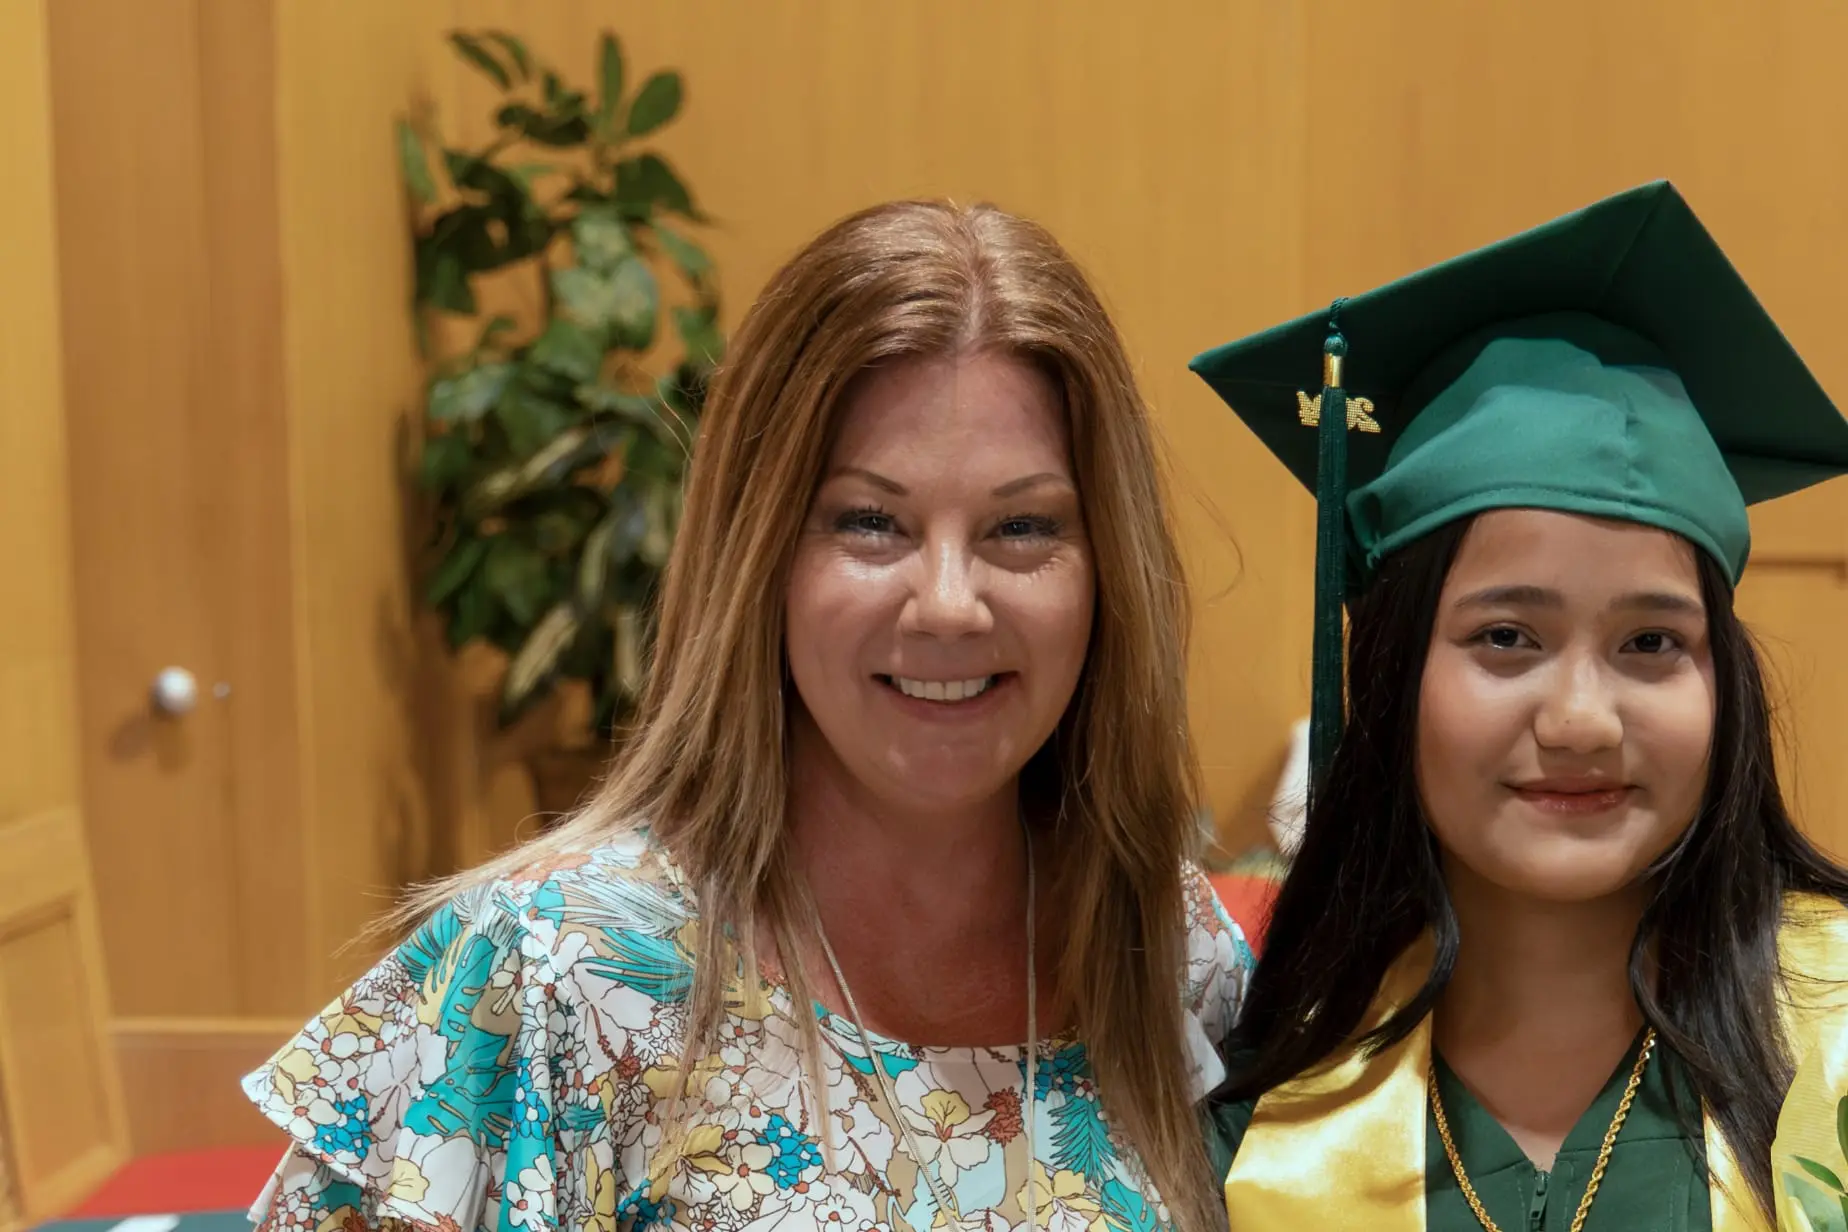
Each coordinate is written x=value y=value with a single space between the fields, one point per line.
x=1219 y=963
x=438 y=1091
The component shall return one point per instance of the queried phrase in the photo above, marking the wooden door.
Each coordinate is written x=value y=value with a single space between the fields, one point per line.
x=172 y=310
x=61 y=1125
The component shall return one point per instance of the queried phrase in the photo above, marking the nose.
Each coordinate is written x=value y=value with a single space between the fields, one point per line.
x=1579 y=713
x=948 y=600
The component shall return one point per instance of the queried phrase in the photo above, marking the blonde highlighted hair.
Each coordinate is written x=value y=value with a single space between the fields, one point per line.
x=1114 y=793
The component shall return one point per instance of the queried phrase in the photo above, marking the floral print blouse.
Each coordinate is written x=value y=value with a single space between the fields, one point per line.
x=508 y=1069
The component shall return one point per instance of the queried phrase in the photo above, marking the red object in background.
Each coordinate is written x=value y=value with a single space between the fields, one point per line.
x=176 y=1184
x=1248 y=901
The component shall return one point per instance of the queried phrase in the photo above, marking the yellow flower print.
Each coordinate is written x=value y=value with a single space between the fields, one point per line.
x=1061 y=1203
x=699 y=1150
x=290 y=1070
x=408 y=1181
x=949 y=1136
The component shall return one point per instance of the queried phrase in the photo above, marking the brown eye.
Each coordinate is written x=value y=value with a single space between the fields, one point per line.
x=1502 y=638
x=1654 y=643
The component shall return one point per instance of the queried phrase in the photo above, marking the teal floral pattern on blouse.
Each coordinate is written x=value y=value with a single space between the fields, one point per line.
x=507 y=1069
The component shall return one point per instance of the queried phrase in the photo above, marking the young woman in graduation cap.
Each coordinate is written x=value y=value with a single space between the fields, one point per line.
x=1552 y=954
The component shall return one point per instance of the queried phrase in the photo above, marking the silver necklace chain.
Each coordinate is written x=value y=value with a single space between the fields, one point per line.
x=945 y=1201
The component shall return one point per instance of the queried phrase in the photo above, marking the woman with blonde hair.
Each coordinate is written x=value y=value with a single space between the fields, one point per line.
x=912 y=785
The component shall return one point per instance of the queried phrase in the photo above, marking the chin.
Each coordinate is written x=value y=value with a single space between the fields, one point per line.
x=949 y=783
x=1565 y=869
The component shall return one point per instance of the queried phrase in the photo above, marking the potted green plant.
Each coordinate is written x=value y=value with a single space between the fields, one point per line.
x=554 y=448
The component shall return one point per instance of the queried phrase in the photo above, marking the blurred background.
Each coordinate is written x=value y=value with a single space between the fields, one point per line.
x=272 y=524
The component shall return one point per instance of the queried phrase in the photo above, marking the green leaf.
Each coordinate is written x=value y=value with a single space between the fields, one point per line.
x=655 y=458
x=457 y=567
x=442 y=280
x=609 y=72
x=566 y=348
x=648 y=183
x=631 y=636
x=549 y=466
x=536 y=662
x=635 y=303
x=531 y=421
x=556 y=130
x=446 y=462
x=690 y=257
x=601 y=238
x=478 y=174
x=628 y=523
x=638 y=409
x=516 y=53
x=1841 y=1125
x=473 y=612
x=657 y=102
x=1823 y=1210
x=586 y=296
x=416 y=166
x=699 y=332
x=1821 y=1173
x=471 y=50
x=518 y=577
x=594 y=563
x=468 y=395
x=557 y=532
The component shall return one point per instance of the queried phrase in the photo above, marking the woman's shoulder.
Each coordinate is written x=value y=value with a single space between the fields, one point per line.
x=1219 y=964
x=524 y=1014
x=1219 y=959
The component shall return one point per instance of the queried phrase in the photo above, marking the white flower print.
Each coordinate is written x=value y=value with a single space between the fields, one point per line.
x=748 y=1177
x=863 y=1139
x=948 y=1134
x=529 y=1199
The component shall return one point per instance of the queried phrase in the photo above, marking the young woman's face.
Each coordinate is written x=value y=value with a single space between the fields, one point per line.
x=1567 y=710
x=940 y=603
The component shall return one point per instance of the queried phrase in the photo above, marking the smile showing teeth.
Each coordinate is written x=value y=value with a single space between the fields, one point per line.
x=942 y=690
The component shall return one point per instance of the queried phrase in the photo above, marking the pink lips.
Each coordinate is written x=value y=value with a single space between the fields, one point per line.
x=1573 y=797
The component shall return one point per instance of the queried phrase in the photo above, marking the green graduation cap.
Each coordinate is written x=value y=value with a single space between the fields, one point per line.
x=1610 y=362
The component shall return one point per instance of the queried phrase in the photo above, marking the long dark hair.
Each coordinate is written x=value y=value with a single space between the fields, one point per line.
x=1366 y=881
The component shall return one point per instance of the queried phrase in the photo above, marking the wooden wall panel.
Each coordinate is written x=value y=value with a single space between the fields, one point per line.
x=344 y=73
x=60 y=1112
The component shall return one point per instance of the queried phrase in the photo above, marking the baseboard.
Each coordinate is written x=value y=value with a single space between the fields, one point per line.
x=180 y=1080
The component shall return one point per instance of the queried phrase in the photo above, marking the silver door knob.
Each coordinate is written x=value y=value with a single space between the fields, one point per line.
x=175 y=692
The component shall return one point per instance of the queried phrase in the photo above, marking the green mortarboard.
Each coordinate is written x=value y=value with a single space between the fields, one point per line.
x=1610 y=362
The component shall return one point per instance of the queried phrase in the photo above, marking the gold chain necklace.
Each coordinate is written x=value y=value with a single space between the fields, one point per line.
x=1597 y=1171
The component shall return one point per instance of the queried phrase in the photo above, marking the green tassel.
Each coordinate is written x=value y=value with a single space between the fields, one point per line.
x=1327 y=692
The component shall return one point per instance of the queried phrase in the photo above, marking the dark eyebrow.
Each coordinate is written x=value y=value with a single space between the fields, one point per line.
x=1012 y=487
x=1658 y=601
x=1513 y=596
x=1540 y=596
